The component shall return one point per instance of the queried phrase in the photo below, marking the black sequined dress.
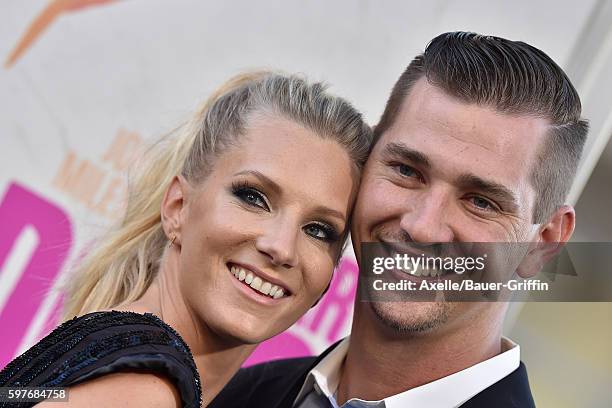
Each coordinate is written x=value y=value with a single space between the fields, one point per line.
x=100 y=343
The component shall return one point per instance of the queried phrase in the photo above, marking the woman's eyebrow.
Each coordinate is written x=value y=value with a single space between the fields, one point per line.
x=262 y=177
x=330 y=212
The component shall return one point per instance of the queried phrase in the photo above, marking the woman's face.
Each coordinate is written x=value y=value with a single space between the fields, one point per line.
x=259 y=237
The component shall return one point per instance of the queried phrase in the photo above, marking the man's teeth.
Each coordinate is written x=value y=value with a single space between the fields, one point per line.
x=255 y=282
x=420 y=271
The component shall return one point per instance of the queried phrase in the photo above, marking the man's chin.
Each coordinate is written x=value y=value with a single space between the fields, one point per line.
x=412 y=317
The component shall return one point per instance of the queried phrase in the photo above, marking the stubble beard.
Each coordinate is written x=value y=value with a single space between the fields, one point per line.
x=425 y=316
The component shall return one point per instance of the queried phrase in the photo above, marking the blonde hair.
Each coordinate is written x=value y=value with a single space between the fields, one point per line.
x=125 y=262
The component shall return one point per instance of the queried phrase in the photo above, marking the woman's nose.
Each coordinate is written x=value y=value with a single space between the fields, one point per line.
x=278 y=242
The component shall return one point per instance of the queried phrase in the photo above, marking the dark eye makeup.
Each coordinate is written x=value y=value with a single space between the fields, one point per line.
x=251 y=196
x=322 y=232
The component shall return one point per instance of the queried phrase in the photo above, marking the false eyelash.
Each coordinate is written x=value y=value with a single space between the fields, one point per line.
x=332 y=234
x=243 y=186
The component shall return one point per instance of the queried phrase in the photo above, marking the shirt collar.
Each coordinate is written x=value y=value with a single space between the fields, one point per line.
x=325 y=376
x=450 y=391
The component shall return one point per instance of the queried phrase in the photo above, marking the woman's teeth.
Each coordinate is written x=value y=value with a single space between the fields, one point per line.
x=255 y=282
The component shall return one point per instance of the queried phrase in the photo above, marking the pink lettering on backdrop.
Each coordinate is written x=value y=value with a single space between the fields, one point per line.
x=24 y=213
x=335 y=307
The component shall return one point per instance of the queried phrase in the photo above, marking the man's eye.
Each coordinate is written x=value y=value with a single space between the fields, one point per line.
x=407 y=171
x=321 y=232
x=251 y=197
x=482 y=204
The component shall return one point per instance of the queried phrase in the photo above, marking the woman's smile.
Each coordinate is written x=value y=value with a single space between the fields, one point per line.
x=273 y=228
x=256 y=281
x=233 y=225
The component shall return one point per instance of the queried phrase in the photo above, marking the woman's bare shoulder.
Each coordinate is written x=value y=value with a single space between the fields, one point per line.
x=122 y=390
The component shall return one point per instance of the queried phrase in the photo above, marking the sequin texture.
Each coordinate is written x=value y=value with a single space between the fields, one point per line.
x=88 y=346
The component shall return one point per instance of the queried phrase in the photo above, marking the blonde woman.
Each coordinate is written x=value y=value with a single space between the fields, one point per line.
x=231 y=233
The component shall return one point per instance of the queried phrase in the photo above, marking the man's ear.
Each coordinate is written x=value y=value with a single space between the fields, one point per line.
x=172 y=207
x=551 y=238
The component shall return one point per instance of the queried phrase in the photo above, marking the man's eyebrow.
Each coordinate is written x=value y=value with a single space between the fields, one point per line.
x=403 y=152
x=491 y=188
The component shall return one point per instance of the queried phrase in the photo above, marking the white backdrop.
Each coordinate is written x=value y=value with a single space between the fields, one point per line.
x=85 y=82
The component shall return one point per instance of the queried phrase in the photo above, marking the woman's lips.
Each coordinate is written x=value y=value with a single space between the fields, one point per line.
x=256 y=282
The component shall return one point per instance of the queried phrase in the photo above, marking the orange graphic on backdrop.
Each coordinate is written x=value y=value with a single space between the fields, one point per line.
x=44 y=19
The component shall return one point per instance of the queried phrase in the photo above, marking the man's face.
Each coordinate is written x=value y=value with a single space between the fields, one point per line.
x=447 y=171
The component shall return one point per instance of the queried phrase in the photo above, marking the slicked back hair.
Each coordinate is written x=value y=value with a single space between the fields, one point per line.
x=511 y=77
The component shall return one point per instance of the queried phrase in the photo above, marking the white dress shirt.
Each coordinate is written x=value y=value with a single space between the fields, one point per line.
x=320 y=387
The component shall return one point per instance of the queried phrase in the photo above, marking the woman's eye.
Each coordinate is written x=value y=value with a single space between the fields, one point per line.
x=321 y=232
x=252 y=197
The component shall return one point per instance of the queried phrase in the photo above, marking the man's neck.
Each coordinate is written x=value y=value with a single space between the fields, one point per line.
x=380 y=363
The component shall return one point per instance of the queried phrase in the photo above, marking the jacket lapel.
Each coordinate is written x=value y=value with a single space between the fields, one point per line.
x=292 y=391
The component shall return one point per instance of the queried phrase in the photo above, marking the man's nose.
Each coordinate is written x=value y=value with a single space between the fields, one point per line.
x=278 y=242
x=426 y=220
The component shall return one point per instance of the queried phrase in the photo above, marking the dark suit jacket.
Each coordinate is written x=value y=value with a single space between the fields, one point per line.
x=276 y=384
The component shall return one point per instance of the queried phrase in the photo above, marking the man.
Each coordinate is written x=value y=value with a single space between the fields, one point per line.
x=479 y=142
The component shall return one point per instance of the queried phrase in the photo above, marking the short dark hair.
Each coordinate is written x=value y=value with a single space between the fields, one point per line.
x=514 y=78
